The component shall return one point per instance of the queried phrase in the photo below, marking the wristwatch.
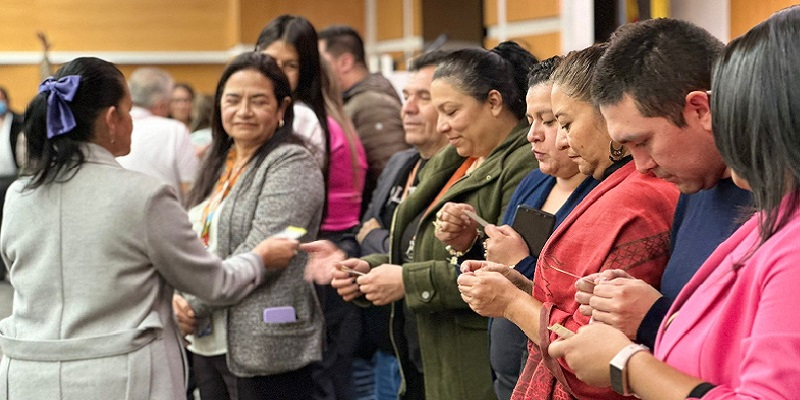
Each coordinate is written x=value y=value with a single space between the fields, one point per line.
x=619 y=375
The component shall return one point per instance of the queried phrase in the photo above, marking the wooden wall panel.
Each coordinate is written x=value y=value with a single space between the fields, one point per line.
x=100 y=25
x=390 y=19
x=521 y=10
x=489 y=12
x=22 y=81
x=542 y=46
x=255 y=14
x=746 y=14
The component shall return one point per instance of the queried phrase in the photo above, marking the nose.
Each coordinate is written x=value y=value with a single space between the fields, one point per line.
x=536 y=132
x=410 y=107
x=244 y=108
x=441 y=125
x=562 y=142
x=644 y=163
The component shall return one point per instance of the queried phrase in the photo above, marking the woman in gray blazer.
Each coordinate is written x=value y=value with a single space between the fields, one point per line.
x=95 y=253
x=256 y=180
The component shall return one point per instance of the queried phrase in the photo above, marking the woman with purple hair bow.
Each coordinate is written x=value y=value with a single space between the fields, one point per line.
x=95 y=253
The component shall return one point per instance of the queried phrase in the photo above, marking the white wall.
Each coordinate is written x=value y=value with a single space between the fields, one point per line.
x=577 y=24
x=712 y=15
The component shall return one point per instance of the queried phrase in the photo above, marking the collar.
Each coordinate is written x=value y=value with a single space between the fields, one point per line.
x=140 y=112
x=97 y=154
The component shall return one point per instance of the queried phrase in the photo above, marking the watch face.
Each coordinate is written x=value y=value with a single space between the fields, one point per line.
x=617 y=383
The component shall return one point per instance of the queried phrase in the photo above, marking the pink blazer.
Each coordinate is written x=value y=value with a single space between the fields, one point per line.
x=741 y=329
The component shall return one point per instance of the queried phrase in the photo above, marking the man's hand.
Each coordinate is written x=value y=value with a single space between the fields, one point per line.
x=383 y=284
x=623 y=303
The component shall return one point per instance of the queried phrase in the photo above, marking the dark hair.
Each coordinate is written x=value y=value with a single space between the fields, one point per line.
x=185 y=86
x=340 y=39
x=212 y=165
x=298 y=32
x=657 y=62
x=575 y=72
x=429 y=59
x=476 y=72
x=756 y=121
x=4 y=92
x=101 y=86
x=541 y=71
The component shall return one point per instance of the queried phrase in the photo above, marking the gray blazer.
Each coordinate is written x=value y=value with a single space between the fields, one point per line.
x=94 y=261
x=286 y=189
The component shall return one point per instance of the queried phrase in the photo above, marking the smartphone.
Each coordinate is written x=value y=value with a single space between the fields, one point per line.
x=535 y=226
x=279 y=315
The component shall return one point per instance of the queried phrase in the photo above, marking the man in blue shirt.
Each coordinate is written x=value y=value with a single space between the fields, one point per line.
x=652 y=88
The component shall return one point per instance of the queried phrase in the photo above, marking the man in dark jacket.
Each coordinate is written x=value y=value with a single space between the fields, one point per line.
x=370 y=100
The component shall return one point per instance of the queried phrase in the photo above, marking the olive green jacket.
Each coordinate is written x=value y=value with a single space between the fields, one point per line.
x=453 y=339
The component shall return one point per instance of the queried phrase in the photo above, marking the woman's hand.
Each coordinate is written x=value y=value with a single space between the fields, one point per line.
x=519 y=280
x=488 y=292
x=184 y=314
x=344 y=281
x=383 y=284
x=323 y=256
x=589 y=352
x=454 y=228
x=504 y=245
x=276 y=252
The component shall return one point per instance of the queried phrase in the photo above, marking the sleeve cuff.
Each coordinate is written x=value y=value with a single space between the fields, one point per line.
x=648 y=329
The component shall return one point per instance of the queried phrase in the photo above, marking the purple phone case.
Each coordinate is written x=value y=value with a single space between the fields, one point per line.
x=277 y=315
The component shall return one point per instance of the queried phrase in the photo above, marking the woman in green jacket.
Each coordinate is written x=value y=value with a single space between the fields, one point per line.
x=480 y=97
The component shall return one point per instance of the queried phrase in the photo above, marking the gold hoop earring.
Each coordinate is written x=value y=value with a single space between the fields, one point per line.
x=616 y=154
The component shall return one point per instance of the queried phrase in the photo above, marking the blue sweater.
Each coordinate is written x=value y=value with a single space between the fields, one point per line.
x=703 y=220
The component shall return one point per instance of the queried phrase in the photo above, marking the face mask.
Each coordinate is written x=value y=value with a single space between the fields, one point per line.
x=3 y=108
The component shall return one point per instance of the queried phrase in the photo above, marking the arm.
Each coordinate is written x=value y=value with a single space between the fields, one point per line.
x=380 y=128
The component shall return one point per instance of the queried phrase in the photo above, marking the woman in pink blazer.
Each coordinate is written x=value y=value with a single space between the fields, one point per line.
x=733 y=331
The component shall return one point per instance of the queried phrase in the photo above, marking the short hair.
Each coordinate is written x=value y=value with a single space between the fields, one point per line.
x=340 y=39
x=212 y=166
x=149 y=86
x=576 y=71
x=185 y=86
x=429 y=59
x=101 y=86
x=476 y=72
x=541 y=71
x=756 y=122
x=657 y=62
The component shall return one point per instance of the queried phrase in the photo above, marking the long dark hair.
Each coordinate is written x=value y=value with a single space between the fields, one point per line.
x=298 y=32
x=476 y=72
x=756 y=121
x=212 y=165
x=58 y=158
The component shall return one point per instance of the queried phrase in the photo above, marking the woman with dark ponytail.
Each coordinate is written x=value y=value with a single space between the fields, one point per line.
x=95 y=252
x=480 y=97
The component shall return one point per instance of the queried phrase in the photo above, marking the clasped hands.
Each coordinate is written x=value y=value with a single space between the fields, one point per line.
x=489 y=288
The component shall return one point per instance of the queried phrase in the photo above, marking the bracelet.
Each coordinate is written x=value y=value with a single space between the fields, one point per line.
x=700 y=390
x=455 y=254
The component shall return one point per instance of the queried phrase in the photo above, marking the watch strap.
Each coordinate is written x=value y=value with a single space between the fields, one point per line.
x=618 y=373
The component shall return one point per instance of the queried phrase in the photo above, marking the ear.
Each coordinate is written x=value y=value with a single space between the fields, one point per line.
x=495 y=102
x=345 y=62
x=285 y=103
x=110 y=119
x=697 y=107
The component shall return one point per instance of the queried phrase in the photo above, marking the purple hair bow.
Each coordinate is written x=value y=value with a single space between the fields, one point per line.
x=60 y=119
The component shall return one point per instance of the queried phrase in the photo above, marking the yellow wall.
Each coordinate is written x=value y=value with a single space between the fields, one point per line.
x=322 y=13
x=542 y=45
x=746 y=14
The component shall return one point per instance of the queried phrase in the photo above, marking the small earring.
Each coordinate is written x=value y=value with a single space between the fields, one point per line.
x=280 y=124
x=616 y=154
x=113 y=139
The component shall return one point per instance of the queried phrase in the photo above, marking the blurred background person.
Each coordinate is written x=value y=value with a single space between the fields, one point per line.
x=180 y=104
x=248 y=189
x=160 y=146
x=370 y=100
x=92 y=316
x=202 y=109
x=10 y=134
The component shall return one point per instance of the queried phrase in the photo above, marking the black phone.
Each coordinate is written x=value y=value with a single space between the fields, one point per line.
x=535 y=226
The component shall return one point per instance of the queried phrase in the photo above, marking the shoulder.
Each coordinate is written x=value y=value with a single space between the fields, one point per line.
x=302 y=112
x=296 y=155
